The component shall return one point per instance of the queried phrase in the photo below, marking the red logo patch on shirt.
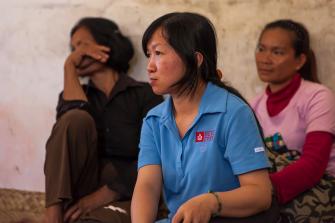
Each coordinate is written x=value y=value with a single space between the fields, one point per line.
x=204 y=136
x=199 y=136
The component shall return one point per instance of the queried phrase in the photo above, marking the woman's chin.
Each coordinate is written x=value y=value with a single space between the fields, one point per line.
x=158 y=91
x=264 y=78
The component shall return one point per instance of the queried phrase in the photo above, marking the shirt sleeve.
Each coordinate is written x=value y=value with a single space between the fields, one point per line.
x=244 y=145
x=148 y=154
x=307 y=171
x=320 y=112
x=65 y=105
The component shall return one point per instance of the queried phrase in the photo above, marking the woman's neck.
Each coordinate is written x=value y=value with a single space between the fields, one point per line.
x=186 y=104
x=105 y=80
x=186 y=108
x=275 y=87
x=277 y=101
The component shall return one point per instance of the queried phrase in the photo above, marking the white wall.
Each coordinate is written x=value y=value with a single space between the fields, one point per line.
x=34 y=37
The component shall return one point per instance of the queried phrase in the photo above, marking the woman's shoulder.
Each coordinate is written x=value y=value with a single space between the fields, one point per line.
x=315 y=91
x=222 y=98
x=313 y=100
x=309 y=87
x=237 y=106
x=157 y=112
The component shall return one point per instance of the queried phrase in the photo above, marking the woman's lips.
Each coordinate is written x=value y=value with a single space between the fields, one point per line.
x=152 y=81
x=264 y=71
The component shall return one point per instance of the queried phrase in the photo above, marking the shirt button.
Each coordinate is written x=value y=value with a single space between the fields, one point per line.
x=107 y=130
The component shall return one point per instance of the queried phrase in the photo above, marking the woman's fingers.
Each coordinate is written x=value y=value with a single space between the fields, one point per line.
x=70 y=212
x=99 y=56
x=75 y=216
x=82 y=59
x=84 y=56
x=97 y=52
x=104 y=48
x=93 y=47
x=178 y=217
x=73 y=213
x=193 y=211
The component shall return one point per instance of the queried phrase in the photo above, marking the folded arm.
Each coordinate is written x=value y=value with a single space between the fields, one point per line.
x=305 y=172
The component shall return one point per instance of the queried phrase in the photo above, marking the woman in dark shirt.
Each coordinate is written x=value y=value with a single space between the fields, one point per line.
x=91 y=154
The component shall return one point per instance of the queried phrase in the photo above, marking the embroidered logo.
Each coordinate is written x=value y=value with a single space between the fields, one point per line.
x=199 y=136
x=204 y=136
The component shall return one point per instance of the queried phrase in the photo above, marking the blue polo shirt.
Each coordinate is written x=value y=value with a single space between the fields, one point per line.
x=222 y=143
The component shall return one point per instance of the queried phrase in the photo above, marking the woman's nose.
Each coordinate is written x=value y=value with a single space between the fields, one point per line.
x=151 y=67
x=263 y=57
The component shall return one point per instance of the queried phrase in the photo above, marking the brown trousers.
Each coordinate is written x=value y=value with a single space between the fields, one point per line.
x=72 y=167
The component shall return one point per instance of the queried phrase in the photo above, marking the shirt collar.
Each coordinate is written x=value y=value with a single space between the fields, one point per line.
x=214 y=99
x=121 y=85
x=276 y=102
x=208 y=104
x=287 y=92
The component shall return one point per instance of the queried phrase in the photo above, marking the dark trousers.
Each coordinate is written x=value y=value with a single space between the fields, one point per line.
x=72 y=167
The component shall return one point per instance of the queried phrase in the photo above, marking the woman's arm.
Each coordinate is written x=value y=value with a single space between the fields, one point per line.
x=144 y=204
x=86 y=52
x=305 y=172
x=319 y=113
x=252 y=197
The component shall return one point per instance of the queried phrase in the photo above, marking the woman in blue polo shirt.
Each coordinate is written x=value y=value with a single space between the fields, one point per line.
x=202 y=144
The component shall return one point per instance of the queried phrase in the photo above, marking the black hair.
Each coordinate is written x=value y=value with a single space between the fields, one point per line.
x=190 y=33
x=106 y=32
x=300 y=43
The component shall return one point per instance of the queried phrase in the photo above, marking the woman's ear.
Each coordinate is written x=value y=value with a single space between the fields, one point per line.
x=219 y=73
x=200 y=58
x=301 y=60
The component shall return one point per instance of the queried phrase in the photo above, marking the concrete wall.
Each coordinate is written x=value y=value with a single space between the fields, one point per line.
x=34 y=43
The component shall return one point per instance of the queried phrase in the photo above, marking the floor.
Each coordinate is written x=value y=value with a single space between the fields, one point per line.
x=17 y=206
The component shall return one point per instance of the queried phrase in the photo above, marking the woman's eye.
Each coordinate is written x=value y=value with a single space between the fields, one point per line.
x=278 y=52
x=72 y=47
x=259 y=49
x=157 y=53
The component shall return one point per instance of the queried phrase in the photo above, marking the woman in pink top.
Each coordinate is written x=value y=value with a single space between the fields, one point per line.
x=297 y=115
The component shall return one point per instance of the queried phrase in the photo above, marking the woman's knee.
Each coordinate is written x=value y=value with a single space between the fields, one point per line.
x=74 y=125
x=76 y=119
